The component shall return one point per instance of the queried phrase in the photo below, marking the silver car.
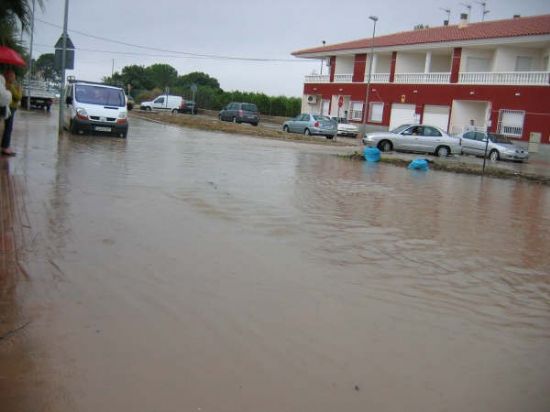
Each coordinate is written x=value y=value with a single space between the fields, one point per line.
x=498 y=146
x=311 y=124
x=415 y=138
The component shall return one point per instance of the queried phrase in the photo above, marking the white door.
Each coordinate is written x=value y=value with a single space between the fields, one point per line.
x=437 y=116
x=324 y=107
x=401 y=114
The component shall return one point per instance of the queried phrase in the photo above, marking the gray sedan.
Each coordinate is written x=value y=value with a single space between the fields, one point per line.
x=498 y=146
x=414 y=138
x=311 y=124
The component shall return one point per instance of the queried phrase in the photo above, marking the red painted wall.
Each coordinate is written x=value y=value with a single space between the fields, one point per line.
x=455 y=66
x=392 y=66
x=359 y=68
x=332 y=67
x=531 y=99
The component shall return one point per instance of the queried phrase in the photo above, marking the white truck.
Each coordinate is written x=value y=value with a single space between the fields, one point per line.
x=41 y=94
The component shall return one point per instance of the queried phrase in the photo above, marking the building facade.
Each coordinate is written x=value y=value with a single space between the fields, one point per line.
x=492 y=75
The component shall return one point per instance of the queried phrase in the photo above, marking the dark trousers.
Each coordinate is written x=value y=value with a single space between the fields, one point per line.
x=6 y=137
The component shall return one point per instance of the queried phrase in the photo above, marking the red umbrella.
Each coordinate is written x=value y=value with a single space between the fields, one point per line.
x=10 y=56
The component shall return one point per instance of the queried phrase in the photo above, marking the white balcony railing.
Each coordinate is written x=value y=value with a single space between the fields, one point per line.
x=422 y=78
x=343 y=78
x=531 y=78
x=317 y=79
x=378 y=78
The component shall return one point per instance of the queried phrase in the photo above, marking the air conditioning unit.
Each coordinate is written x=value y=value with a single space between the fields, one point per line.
x=312 y=99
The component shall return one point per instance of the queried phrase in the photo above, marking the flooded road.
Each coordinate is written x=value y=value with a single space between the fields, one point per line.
x=187 y=270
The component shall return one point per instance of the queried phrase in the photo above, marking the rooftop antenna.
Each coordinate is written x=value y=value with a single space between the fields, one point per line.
x=448 y=12
x=469 y=7
x=484 y=9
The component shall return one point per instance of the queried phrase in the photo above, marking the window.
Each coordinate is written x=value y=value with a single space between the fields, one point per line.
x=431 y=131
x=470 y=136
x=376 y=112
x=106 y=96
x=524 y=63
x=356 y=110
x=510 y=122
x=159 y=100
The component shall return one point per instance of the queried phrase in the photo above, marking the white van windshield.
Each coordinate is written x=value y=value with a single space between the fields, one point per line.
x=104 y=96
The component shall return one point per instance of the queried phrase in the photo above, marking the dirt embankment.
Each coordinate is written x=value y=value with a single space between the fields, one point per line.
x=213 y=124
x=459 y=167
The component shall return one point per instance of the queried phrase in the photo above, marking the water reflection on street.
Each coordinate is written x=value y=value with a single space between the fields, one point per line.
x=181 y=269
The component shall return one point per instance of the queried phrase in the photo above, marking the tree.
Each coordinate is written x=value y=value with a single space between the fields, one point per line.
x=45 y=64
x=12 y=14
x=162 y=75
x=198 y=78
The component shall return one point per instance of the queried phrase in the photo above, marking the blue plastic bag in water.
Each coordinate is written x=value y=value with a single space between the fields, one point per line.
x=419 y=164
x=372 y=154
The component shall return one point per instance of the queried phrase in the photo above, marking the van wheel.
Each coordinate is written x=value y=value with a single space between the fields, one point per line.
x=285 y=129
x=234 y=120
x=174 y=111
x=73 y=128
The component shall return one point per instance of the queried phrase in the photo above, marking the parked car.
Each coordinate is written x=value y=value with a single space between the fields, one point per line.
x=498 y=146
x=415 y=138
x=345 y=128
x=165 y=102
x=311 y=124
x=130 y=102
x=240 y=113
x=95 y=107
x=188 y=106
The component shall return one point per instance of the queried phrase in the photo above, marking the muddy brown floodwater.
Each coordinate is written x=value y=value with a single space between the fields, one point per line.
x=181 y=270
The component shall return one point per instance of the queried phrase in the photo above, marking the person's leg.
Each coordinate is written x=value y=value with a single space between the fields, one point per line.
x=6 y=136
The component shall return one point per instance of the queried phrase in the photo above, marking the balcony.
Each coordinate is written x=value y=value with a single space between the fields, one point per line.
x=512 y=78
x=343 y=78
x=317 y=79
x=378 y=78
x=422 y=78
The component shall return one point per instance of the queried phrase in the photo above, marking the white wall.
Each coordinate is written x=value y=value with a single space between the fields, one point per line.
x=344 y=64
x=311 y=108
x=489 y=54
x=383 y=64
x=441 y=64
x=410 y=63
x=505 y=58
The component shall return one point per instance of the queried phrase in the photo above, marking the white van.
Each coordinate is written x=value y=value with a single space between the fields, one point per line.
x=166 y=102
x=95 y=107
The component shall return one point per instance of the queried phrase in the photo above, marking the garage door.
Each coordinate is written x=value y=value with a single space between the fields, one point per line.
x=401 y=114
x=436 y=116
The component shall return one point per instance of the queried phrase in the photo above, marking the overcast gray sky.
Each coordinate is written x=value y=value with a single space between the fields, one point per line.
x=267 y=29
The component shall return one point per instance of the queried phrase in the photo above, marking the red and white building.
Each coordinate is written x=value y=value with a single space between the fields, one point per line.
x=494 y=73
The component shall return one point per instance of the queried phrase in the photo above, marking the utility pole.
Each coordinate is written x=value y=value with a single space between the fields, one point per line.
x=29 y=73
x=63 y=62
x=322 y=60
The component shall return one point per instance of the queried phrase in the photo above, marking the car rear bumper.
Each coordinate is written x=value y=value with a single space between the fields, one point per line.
x=517 y=156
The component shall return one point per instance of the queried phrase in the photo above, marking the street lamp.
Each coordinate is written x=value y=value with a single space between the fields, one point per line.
x=322 y=59
x=366 y=111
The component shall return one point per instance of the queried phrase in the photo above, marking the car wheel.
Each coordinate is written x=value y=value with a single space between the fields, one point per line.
x=442 y=151
x=307 y=132
x=148 y=108
x=254 y=124
x=385 y=146
x=220 y=118
x=330 y=137
x=494 y=155
x=286 y=129
x=234 y=120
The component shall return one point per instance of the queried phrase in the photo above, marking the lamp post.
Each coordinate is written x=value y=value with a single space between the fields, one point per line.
x=366 y=111
x=323 y=59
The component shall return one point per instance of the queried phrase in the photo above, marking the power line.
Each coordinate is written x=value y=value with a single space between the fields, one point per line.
x=47 y=46
x=207 y=56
